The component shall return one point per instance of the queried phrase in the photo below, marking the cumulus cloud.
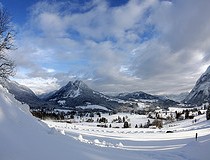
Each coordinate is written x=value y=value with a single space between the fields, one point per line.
x=40 y=85
x=150 y=45
x=183 y=24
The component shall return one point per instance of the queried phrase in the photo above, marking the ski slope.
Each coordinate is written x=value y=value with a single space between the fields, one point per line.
x=24 y=137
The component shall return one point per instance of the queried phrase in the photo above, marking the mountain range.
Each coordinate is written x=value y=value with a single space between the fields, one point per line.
x=147 y=98
x=77 y=94
x=177 y=97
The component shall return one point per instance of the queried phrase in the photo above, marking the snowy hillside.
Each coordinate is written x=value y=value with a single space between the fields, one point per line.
x=137 y=96
x=24 y=137
x=24 y=94
x=144 y=97
x=201 y=92
x=150 y=144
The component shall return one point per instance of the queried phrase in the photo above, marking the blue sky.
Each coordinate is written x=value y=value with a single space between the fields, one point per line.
x=156 y=46
x=18 y=9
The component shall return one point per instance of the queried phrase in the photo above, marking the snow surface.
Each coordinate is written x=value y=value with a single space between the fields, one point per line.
x=62 y=102
x=93 y=107
x=24 y=137
x=142 y=105
x=72 y=93
x=63 y=110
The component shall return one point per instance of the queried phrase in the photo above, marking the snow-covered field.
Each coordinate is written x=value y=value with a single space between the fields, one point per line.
x=93 y=107
x=142 y=139
x=24 y=137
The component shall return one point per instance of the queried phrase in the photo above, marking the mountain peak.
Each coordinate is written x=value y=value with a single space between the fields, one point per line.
x=201 y=92
x=207 y=70
x=80 y=84
x=205 y=77
x=77 y=93
x=77 y=84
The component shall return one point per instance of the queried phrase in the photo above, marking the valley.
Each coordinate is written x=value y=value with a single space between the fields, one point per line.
x=78 y=122
x=104 y=80
x=137 y=138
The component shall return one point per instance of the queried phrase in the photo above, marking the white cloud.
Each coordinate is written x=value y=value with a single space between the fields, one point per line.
x=39 y=85
x=149 y=45
x=52 y=24
x=183 y=24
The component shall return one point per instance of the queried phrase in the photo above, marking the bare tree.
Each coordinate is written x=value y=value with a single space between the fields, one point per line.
x=6 y=44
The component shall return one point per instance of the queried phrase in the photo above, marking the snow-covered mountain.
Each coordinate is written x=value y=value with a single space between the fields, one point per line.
x=177 y=97
x=145 y=97
x=77 y=93
x=24 y=94
x=201 y=92
x=136 y=96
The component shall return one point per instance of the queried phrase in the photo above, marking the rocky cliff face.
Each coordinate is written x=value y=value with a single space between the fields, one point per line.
x=201 y=92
